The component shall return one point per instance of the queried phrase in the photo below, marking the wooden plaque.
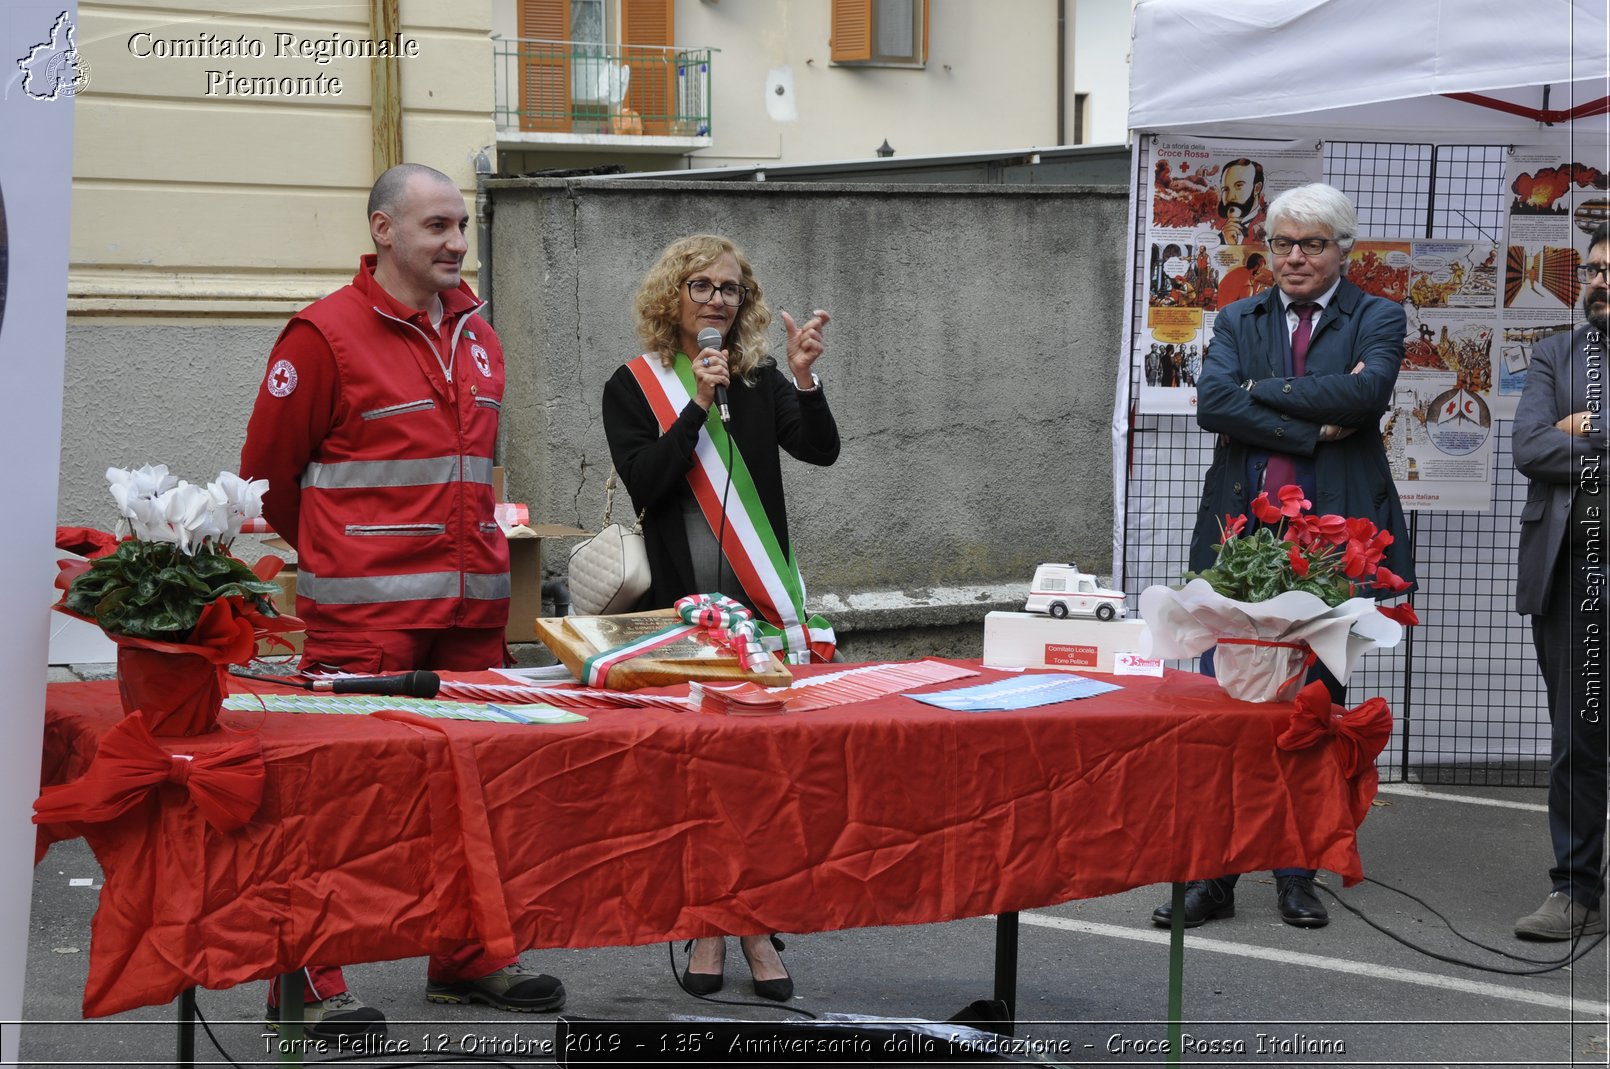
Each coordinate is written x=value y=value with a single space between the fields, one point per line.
x=573 y=639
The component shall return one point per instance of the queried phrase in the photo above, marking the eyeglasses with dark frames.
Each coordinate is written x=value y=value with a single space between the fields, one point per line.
x=703 y=291
x=1587 y=271
x=1282 y=246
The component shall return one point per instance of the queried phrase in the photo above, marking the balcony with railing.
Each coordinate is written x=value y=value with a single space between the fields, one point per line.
x=620 y=97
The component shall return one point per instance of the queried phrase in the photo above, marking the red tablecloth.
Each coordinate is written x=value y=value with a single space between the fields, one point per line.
x=379 y=840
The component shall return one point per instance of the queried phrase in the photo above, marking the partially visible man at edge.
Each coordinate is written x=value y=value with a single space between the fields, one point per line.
x=375 y=426
x=1559 y=445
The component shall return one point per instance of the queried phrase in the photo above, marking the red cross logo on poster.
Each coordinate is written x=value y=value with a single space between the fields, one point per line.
x=282 y=378
x=482 y=363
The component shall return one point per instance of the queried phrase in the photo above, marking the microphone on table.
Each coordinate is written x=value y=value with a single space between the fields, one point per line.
x=710 y=338
x=419 y=684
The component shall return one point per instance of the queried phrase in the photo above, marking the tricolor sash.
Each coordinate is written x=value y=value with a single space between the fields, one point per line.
x=765 y=568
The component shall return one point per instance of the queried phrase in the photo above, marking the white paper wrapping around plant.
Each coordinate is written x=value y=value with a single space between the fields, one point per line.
x=1183 y=623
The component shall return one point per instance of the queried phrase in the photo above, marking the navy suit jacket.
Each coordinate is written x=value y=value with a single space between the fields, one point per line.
x=1284 y=413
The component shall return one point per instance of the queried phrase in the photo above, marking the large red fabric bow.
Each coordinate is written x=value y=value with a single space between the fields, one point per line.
x=225 y=784
x=1357 y=735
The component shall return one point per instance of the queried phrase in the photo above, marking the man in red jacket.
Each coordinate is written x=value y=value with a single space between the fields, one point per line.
x=375 y=426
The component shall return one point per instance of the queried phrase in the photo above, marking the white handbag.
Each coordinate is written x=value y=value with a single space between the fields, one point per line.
x=609 y=572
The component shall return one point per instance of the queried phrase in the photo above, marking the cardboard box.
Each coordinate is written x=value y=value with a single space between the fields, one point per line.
x=1033 y=640
x=525 y=567
x=525 y=575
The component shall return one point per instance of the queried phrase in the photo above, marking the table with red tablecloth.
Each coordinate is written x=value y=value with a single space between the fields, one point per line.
x=381 y=839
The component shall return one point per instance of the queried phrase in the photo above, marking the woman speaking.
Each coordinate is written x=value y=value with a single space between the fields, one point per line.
x=710 y=488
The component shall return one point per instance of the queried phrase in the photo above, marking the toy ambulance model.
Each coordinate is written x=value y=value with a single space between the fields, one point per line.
x=1063 y=590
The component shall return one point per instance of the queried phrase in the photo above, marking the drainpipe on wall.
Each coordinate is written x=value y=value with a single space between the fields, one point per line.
x=483 y=224
x=1062 y=72
x=385 y=89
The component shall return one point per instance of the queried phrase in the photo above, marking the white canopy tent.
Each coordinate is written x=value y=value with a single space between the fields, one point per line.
x=1378 y=70
x=1364 y=70
x=1422 y=72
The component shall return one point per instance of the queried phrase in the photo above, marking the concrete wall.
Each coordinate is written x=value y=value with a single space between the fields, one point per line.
x=175 y=392
x=970 y=365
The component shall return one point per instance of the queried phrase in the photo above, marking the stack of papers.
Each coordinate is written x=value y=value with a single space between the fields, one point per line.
x=865 y=683
x=735 y=699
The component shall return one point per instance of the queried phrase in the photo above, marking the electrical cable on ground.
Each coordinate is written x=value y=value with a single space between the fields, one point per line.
x=1579 y=949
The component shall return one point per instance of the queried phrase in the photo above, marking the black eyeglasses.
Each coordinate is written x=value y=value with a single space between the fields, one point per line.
x=1587 y=271
x=1309 y=246
x=703 y=291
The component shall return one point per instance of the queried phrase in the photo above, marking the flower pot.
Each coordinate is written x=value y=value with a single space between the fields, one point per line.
x=179 y=693
x=1254 y=671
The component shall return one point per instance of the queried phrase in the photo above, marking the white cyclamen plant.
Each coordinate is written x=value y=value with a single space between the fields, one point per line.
x=177 y=562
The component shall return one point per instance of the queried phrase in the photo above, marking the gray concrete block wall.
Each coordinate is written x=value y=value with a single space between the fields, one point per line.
x=975 y=342
x=169 y=393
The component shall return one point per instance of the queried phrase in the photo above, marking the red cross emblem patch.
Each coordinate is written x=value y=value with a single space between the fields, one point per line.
x=282 y=378
x=482 y=363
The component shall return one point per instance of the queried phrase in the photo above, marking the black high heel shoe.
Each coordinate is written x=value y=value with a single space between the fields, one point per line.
x=777 y=990
x=703 y=983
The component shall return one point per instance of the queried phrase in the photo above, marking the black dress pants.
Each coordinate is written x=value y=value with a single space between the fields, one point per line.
x=1571 y=642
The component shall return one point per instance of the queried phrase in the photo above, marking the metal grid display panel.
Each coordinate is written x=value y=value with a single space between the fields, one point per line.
x=1464 y=689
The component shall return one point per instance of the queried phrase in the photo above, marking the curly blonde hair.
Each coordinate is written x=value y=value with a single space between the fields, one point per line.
x=658 y=306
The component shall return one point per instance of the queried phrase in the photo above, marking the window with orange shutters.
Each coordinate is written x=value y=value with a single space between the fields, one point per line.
x=880 y=32
x=544 y=68
x=648 y=32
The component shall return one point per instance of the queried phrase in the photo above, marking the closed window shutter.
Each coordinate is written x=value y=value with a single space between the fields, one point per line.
x=544 y=68
x=922 y=57
x=852 y=31
x=649 y=25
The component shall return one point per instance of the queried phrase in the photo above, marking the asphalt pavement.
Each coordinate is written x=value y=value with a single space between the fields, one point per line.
x=1453 y=990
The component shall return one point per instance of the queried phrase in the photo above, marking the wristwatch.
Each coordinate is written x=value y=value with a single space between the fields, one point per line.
x=1249 y=384
x=816 y=384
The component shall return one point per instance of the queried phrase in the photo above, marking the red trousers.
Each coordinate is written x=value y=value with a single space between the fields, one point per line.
x=372 y=652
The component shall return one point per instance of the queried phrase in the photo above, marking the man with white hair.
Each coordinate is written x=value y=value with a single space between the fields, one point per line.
x=1295 y=384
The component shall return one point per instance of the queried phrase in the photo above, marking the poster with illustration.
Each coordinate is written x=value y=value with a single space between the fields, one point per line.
x=1439 y=439
x=1206 y=229
x=1556 y=197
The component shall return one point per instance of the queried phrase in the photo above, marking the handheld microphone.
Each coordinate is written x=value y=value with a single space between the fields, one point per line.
x=710 y=338
x=408 y=685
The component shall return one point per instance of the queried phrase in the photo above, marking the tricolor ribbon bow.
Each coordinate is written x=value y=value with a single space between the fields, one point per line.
x=726 y=623
x=1357 y=736
x=225 y=784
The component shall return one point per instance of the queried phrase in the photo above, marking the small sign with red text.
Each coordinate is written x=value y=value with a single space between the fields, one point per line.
x=1133 y=664
x=1072 y=656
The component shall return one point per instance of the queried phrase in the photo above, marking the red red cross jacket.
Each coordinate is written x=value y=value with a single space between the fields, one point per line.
x=376 y=435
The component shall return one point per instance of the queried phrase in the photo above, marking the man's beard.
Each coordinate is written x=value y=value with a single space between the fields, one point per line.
x=1238 y=209
x=1596 y=304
